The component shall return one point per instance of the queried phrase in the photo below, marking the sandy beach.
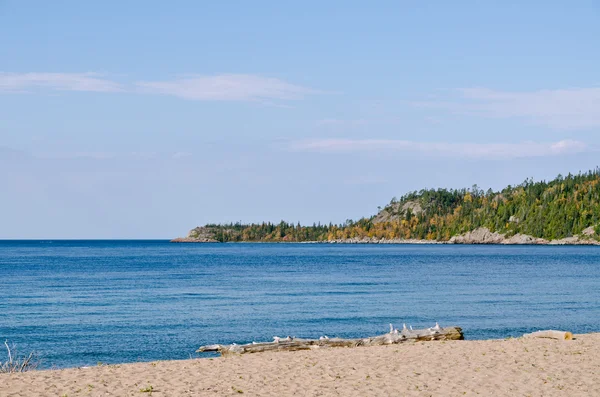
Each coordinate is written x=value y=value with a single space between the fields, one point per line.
x=512 y=367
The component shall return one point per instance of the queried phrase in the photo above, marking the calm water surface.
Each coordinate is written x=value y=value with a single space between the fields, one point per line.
x=81 y=302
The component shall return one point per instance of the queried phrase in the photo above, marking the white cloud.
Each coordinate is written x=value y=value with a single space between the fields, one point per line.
x=23 y=82
x=575 y=108
x=226 y=87
x=469 y=150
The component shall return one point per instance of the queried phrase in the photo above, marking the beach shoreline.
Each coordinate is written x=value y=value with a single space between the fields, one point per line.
x=519 y=366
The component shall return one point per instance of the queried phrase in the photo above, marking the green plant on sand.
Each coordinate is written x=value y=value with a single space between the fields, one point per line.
x=148 y=389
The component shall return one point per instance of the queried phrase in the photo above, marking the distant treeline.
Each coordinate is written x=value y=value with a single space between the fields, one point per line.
x=556 y=209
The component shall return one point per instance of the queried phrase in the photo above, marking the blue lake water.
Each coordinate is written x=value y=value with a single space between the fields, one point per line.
x=82 y=302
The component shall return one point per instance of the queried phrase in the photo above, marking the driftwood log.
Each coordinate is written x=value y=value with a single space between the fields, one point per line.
x=552 y=334
x=292 y=343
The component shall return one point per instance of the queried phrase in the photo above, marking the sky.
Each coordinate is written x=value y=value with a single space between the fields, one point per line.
x=144 y=119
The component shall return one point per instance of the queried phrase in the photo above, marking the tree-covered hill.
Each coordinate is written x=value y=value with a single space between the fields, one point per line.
x=563 y=207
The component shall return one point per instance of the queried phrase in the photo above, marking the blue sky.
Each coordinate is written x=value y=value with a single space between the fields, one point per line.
x=143 y=119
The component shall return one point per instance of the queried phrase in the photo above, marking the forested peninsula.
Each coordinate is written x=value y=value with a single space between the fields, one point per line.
x=565 y=210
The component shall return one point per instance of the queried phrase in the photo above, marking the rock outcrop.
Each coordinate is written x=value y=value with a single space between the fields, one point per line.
x=519 y=239
x=589 y=231
x=396 y=211
x=575 y=240
x=483 y=235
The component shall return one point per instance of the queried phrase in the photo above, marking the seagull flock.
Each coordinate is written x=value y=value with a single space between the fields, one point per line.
x=405 y=330
x=433 y=330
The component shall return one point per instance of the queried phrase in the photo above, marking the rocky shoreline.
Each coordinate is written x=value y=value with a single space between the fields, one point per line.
x=483 y=235
x=193 y=240
x=374 y=240
x=479 y=236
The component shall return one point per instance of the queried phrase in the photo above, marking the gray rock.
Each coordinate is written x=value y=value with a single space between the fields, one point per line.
x=589 y=231
x=575 y=240
x=519 y=239
x=481 y=235
x=395 y=211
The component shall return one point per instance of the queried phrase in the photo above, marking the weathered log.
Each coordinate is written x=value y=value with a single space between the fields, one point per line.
x=395 y=336
x=552 y=334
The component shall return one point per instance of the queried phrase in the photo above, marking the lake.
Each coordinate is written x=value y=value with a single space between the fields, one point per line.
x=82 y=302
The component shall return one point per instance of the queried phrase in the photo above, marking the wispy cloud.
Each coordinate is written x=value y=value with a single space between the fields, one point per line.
x=342 y=122
x=575 y=108
x=90 y=155
x=102 y=156
x=470 y=150
x=24 y=82
x=226 y=87
x=221 y=87
x=181 y=155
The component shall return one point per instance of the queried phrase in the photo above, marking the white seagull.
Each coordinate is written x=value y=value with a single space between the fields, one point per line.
x=435 y=329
